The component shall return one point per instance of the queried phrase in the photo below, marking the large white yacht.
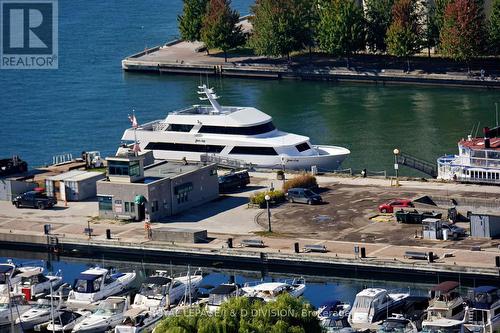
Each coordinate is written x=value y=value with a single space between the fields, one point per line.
x=235 y=134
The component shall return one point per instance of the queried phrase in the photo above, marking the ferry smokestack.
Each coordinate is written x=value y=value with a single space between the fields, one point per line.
x=487 y=143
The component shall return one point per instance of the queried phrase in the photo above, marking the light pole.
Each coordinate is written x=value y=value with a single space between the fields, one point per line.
x=396 y=165
x=268 y=198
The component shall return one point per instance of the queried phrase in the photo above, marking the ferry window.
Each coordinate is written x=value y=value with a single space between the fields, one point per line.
x=249 y=130
x=179 y=127
x=118 y=168
x=253 y=151
x=105 y=202
x=134 y=169
x=478 y=153
x=303 y=147
x=184 y=147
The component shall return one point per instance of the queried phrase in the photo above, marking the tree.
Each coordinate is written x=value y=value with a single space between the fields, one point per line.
x=494 y=29
x=191 y=19
x=282 y=26
x=220 y=27
x=341 y=29
x=378 y=15
x=242 y=314
x=463 y=30
x=404 y=36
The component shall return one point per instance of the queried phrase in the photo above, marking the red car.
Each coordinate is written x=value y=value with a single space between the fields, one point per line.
x=389 y=206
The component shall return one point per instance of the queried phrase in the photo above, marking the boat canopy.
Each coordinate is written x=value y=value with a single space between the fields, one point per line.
x=5 y=268
x=159 y=280
x=223 y=289
x=445 y=287
x=485 y=289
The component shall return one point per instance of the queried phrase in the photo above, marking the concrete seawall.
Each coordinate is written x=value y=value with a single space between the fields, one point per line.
x=260 y=71
x=244 y=258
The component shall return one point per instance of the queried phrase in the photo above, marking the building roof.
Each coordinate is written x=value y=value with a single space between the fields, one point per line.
x=86 y=175
x=170 y=169
x=66 y=175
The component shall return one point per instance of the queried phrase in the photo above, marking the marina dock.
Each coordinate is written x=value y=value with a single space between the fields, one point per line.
x=473 y=262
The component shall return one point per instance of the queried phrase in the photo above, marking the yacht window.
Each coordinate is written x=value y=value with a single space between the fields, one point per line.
x=362 y=303
x=179 y=127
x=303 y=147
x=253 y=151
x=109 y=279
x=249 y=130
x=457 y=310
x=184 y=147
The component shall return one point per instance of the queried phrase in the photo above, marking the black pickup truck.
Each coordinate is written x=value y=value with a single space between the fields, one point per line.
x=34 y=199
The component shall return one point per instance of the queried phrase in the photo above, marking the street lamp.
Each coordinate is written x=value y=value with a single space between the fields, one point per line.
x=396 y=165
x=268 y=198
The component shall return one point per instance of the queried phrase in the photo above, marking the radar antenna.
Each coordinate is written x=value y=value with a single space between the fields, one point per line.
x=210 y=96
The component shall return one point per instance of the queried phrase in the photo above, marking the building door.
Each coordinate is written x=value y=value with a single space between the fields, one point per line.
x=141 y=211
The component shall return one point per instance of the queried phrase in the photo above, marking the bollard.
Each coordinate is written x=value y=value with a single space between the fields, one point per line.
x=430 y=257
x=497 y=260
x=230 y=243
x=363 y=253
x=296 y=247
x=356 y=252
x=108 y=233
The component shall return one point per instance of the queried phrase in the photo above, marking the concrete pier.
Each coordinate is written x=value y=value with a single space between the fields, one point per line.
x=180 y=57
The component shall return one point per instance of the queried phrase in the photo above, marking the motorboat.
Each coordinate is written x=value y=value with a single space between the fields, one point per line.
x=484 y=310
x=231 y=135
x=10 y=275
x=445 y=302
x=333 y=316
x=373 y=305
x=96 y=284
x=444 y=325
x=222 y=293
x=160 y=290
x=34 y=283
x=478 y=159
x=105 y=317
x=64 y=321
x=11 y=307
x=397 y=323
x=139 y=320
x=43 y=311
x=269 y=291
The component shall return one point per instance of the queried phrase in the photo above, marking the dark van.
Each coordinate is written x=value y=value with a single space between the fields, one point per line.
x=233 y=181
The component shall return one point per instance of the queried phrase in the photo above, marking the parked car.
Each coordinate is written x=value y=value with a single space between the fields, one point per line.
x=454 y=231
x=233 y=181
x=388 y=207
x=34 y=199
x=303 y=195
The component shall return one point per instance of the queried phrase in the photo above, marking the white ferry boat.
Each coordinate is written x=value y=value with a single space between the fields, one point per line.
x=242 y=134
x=478 y=160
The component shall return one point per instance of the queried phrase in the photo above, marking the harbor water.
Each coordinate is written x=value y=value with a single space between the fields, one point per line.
x=319 y=289
x=84 y=104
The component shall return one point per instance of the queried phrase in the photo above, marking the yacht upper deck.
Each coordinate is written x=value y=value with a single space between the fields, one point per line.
x=207 y=110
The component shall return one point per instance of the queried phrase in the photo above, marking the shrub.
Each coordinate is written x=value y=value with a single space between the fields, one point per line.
x=304 y=180
x=258 y=198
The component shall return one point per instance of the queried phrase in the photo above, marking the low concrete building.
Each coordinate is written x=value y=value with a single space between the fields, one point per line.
x=177 y=235
x=133 y=191
x=74 y=185
x=484 y=225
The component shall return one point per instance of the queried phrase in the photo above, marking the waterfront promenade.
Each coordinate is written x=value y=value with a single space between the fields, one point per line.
x=181 y=57
x=230 y=217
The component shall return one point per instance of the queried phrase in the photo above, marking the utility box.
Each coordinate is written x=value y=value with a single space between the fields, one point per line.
x=484 y=225
x=432 y=228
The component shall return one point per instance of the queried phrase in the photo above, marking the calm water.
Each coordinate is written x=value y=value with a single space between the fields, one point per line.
x=84 y=104
x=319 y=289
